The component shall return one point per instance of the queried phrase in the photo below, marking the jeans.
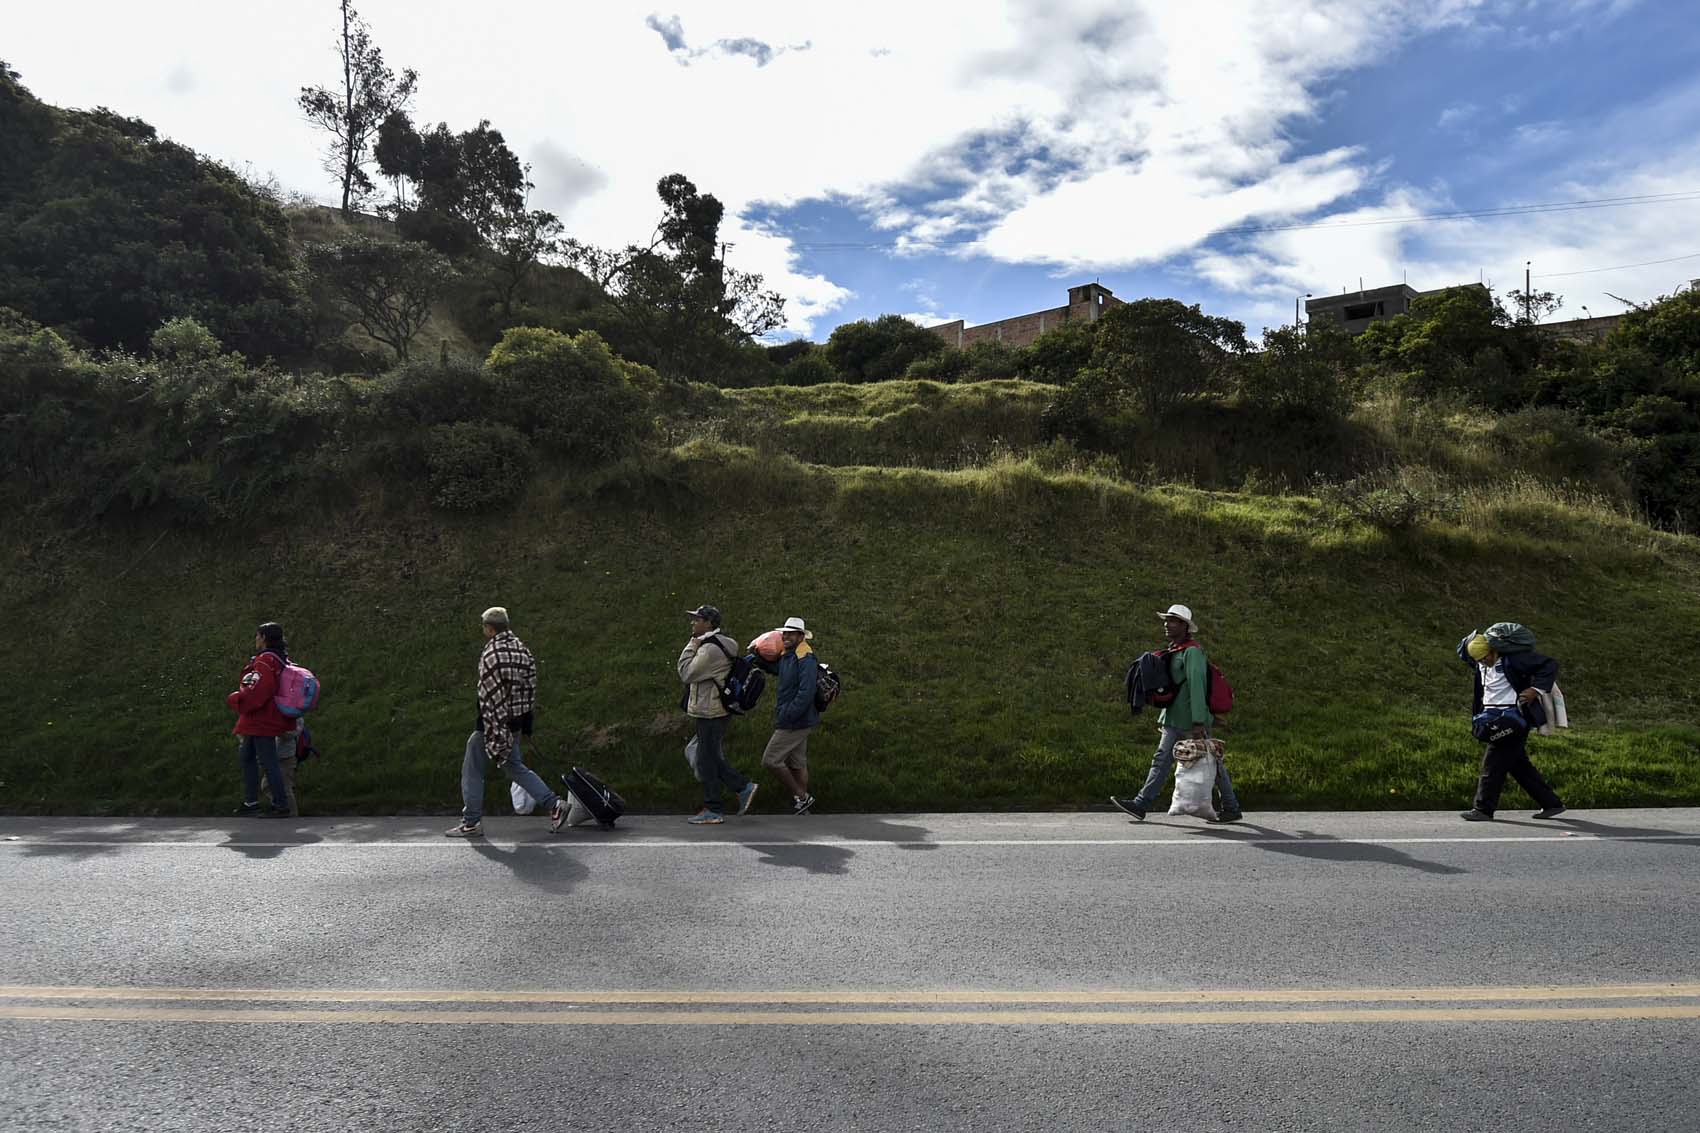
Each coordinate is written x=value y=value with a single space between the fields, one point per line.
x=712 y=767
x=1164 y=761
x=254 y=753
x=1510 y=756
x=476 y=766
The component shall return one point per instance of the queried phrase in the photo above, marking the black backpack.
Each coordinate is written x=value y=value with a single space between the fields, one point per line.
x=828 y=685
x=744 y=684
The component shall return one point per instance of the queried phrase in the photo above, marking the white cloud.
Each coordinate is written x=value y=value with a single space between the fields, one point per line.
x=1462 y=112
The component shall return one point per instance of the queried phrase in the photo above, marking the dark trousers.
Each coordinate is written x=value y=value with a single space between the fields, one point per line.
x=1510 y=756
x=713 y=769
x=257 y=754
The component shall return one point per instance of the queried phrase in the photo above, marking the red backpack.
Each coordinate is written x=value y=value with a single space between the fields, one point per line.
x=1218 y=693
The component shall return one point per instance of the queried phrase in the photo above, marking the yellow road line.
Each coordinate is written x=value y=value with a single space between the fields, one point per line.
x=913 y=998
x=850 y=1018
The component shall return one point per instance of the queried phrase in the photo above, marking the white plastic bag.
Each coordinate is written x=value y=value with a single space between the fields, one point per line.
x=1195 y=777
x=691 y=755
x=577 y=813
x=523 y=803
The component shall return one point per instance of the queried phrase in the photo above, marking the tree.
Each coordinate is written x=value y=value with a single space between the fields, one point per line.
x=522 y=240
x=679 y=307
x=353 y=112
x=467 y=188
x=1313 y=370
x=1458 y=342
x=107 y=230
x=1157 y=353
x=1533 y=306
x=881 y=349
x=388 y=285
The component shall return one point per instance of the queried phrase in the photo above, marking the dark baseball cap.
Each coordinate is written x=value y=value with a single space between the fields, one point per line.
x=709 y=613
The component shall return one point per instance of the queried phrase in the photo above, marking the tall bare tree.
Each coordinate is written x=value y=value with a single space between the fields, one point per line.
x=352 y=112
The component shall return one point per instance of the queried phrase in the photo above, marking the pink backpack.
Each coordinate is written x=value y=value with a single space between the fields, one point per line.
x=297 y=690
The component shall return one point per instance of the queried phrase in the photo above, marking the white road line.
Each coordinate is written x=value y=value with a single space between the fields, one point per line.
x=1028 y=1018
x=852 y=843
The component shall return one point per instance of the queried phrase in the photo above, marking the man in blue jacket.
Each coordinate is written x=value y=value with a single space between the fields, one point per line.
x=794 y=713
x=1505 y=685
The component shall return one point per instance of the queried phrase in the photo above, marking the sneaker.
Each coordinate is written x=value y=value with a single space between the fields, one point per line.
x=1474 y=815
x=1228 y=816
x=1128 y=806
x=557 y=814
x=746 y=797
x=247 y=810
x=706 y=817
x=466 y=830
x=802 y=805
x=1550 y=811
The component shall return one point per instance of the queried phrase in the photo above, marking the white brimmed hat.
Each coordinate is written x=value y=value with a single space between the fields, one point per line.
x=795 y=625
x=1184 y=613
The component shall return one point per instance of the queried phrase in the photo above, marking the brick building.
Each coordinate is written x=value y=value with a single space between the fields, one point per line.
x=1085 y=304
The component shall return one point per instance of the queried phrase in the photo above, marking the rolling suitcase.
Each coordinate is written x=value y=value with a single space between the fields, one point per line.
x=601 y=801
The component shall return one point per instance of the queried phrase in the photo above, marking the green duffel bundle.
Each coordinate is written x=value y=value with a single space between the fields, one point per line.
x=1510 y=637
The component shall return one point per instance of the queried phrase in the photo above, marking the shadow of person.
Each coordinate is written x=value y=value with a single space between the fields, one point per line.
x=269 y=839
x=550 y=867
x=1604 y=830
x=67 y=852
x=905 y=837
x=1323 y=847
x=830 y=861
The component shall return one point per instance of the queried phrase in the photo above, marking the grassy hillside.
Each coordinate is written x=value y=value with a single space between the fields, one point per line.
x=982 y=617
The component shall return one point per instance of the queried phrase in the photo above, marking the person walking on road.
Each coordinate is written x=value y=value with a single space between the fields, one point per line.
x=794 y=714
x=259 y=723
x=704 y=664
x=1505 y=706
x=1187 y=716
x=507 y=695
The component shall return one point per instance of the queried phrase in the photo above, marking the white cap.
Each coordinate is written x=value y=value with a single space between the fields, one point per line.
x=795 y=625
x=1184 y=613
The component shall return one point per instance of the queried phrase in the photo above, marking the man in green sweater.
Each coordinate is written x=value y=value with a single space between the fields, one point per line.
x=1188 y=716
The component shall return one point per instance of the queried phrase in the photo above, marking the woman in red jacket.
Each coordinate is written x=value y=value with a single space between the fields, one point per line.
x=259 y=723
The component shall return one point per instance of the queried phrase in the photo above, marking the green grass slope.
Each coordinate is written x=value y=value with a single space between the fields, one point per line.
x=982 y=618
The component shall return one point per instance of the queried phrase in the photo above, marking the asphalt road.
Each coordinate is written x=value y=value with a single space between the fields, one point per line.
x=1298 y=971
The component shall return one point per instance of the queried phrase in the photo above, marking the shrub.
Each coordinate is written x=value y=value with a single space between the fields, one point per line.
x=184 y=338
x=422 y=393
x=808 y=369
x=865 y=351
x=1058 y=355
x=1390 y=507
x=569 y=394
x=472 y=466
x=948 y=365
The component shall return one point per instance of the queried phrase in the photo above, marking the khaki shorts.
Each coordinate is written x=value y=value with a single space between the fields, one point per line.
x=788 y=748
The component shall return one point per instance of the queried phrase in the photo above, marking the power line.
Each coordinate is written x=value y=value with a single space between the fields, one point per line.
x=1620 y=267
x=1413 y=218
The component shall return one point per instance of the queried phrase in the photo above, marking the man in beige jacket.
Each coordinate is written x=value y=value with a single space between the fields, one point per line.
x=704 y=665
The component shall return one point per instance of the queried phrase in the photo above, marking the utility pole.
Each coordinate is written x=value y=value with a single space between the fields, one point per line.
x=1528 y=301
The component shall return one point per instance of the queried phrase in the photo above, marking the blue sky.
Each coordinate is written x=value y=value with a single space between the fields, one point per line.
x=973 y=160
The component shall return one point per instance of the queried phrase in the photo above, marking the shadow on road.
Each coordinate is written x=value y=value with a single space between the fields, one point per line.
x=550 y=867
x=1323 y=847
x=273 y=830
x=834 y=861
x=1602 y=830
x=70 y=853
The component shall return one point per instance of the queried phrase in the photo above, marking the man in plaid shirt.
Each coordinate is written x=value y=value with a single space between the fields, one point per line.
x=507 y=693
